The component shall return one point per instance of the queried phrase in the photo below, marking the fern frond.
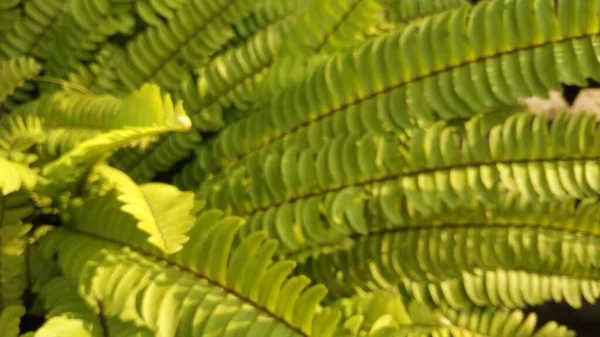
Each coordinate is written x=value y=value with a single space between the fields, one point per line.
x=30 y=33
x=70 y=167
x=330 y=26
x=71 y=118
x=406 y=11
x=266 y=13
x=65 y=109
x=505 y=288
x=19 y=133
x=408 y=316
x=10 y=12
x=202 y=275
x=385 y=262
x=14 y=73
x=188 y=40
x=15 y=176
x=478 y=322
x=59 y=141
x=139 y=124
x=161 y=210
x=83 y=32
x=469 y=322
x=14 y=208
x=230 y=79
x=10 y=318
x=286 y=72
x=100 y=77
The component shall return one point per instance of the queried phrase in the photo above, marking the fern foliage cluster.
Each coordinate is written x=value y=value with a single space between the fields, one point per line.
x=281 y=168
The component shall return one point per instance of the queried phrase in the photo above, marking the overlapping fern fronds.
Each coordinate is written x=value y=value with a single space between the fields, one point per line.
x=340 y=168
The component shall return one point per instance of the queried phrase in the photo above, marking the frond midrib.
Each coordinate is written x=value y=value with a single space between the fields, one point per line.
x=448 y=225
x=415 y=173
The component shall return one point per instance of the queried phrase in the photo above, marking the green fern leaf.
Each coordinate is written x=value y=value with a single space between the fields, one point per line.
x=330 y=26
x=162 y=211
x=30 y=33
x=266 y=13
x=14 y=208
x=505 y=288
x=14 y=73
x=15 y=176
x=190 y=25
x=144 y=107
x=100 y=77
x=415 y=318
x=84 y=31
x=10 y=12
x=10 y=318
x=406 y=11
x=19 y=133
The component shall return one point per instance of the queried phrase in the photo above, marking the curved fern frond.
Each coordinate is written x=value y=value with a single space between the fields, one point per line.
x=58 y=141
x=230 y=79
x=14 y=208
x=10 y=318
x=206 y=274
x=505 y=288
x=406 y=11
x=83 y=32
x=188 y=40
x=71 y=166
x=416 y=318
x=29 y=34
x=15 y=176
x=418 y=254
x=65 y=109
x=160 y=117
x=409 y=316
x=161 y=210
x=478 y=322
x=14 y=73
x=266 y=13
x=71 y=118
x=100 y=76
x=10 y=12
x=461 y=62
x=331 y=25
x=19 y=133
